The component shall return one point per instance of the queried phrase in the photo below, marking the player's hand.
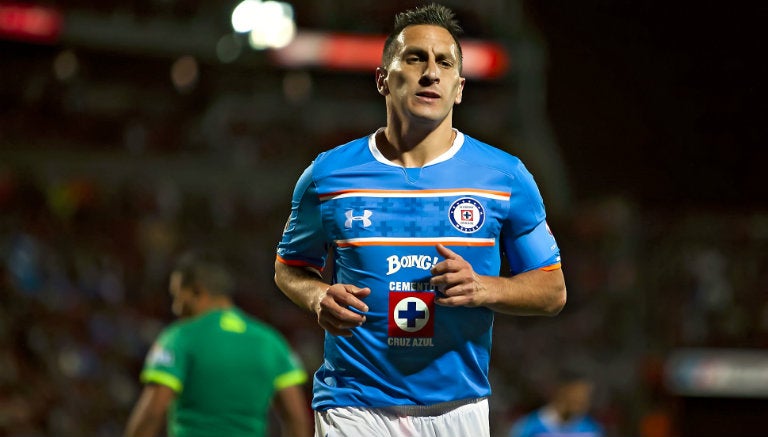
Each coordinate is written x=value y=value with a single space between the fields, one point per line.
x=332 y=308
x=457 y=281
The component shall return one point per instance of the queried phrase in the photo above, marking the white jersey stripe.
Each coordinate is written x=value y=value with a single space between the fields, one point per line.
x=497 y=195
x=384 y=241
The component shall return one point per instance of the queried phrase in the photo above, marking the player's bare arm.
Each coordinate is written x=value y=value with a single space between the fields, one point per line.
x=290 y=405
x=331 y=303
x=148 y=415
x=536 y=292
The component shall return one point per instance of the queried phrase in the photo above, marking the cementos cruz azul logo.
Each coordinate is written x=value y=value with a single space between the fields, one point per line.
x=467 y=215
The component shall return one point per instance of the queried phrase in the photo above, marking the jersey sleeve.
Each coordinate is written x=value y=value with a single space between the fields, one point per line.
x=166 y=362
x=526 y=239
x=303 y=242
x=290 y=370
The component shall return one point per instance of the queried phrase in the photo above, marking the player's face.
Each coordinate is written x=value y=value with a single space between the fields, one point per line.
x=576 y=397
x=183 y=297
x=422 y=81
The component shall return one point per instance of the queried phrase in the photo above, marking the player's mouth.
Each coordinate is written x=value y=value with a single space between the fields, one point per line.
x=428 y=95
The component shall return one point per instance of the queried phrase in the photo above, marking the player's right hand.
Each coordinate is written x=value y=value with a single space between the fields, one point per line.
x=333 y=308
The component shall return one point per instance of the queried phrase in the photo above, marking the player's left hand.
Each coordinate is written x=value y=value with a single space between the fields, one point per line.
x=457 y=281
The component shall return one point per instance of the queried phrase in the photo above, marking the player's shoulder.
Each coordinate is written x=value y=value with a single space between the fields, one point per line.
x=483 y=154
x=174 y=332
x=346 y=155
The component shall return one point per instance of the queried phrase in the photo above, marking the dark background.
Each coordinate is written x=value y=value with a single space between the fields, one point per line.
x=663 y=101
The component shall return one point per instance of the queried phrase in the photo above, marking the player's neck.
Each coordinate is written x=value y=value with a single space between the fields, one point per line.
x=414 y=147
x=214 y=303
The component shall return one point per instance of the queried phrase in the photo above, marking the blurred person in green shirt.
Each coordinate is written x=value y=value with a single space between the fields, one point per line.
x=217 y=371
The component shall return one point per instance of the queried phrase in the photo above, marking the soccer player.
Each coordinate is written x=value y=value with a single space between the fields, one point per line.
x=416 y=216
x=566 y=413
x=215 y=372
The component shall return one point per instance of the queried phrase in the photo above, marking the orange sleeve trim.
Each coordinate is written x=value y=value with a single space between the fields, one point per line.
x=297 y=263
x=550 y=267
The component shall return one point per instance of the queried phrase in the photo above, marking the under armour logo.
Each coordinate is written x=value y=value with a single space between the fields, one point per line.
x=365 y=218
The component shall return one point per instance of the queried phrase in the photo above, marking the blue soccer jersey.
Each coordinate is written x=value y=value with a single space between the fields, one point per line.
x=383 y=222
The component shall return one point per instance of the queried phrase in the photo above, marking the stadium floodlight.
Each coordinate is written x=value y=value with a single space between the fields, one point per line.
x=243 y=15
x=269 y=24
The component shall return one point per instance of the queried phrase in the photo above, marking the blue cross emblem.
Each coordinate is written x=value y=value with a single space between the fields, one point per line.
x=411 y=314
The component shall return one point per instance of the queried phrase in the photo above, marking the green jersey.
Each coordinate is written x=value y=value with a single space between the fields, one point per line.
x=225 y=367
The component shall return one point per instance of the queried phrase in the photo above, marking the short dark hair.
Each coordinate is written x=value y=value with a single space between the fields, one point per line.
x=569 y=373
x=206 y=269
x=432 y=14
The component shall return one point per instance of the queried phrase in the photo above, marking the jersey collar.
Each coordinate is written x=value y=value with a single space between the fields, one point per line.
x=448 y=154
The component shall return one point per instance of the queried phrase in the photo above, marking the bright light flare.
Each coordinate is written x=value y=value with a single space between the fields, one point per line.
x=269 y=24
x=242 y=16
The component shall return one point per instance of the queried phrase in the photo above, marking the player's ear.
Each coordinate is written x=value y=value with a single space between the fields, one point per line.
x=381 y=81
x=459 y=94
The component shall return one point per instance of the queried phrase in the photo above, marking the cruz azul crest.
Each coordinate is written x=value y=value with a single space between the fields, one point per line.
x=467 y=215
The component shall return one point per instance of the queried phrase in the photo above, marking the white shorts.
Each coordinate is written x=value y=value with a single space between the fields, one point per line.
x=467 y=418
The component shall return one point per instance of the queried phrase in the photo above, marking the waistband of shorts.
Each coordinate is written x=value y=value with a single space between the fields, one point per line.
x=431 y=410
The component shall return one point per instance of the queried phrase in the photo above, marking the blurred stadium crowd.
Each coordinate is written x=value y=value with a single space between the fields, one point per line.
x=83 y=293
